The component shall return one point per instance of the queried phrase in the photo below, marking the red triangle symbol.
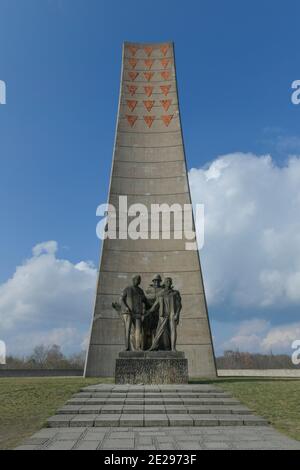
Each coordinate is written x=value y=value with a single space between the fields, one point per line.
x=132 y=89
x=132 y=104
x=165 y=89
x=133 y=75
x=148 y=75
x=148 y=104
x=132 y=62
x=131 y=119
x=132 y=49
x=148 y=50
x=148 y=90
x=148 y=63
x=167 y=119
x=149 y=120
x=164 y=48
x=166 y=104
x=165 y=75
x=165 y=62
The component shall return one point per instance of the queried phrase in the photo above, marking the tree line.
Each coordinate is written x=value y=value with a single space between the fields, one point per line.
x=246 y=360
x=46 y=357
x=52 y=357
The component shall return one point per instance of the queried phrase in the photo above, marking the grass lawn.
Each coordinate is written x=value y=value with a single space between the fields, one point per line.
x=278 y=400
x=26 y=403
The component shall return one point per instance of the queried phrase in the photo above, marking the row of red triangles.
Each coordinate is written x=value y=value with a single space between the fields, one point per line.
x=148 y=49
x=149 y=104
x=166 y=75
x=149 y=119
x=148 y=62
x=148 y=89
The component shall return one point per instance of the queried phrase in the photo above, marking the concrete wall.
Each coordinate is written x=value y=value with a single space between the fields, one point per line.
x=292 y=373
x=149 y=167
x=41 y=372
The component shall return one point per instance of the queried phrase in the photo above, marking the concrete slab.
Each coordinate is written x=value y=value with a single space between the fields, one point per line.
x=107 y=420
x=156 y=419
x=107 y=409
x=132 y=420
x=86 y=420
x=87 y=445
x=154 y=409
x=58 y=421
x=180 y=419
x=69 y=409
x=204 y=420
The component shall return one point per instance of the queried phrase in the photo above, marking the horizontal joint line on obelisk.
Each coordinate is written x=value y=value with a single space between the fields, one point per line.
x=107 y=344
x=166 y=132
x=139 y=111
x=141 y=117
x=147 y=161
x=148 y=251
x=122 y=344
x=193 y=344
x=182 y=316
x=112 y=271
x=148 y=147
x=148 y=177
x=181 y=293
x=127 y=69
x=160 y=232
x=145 y=58
x=154 y=106
x=153 y=93
x=143 y=82
x=151 y=272
x=147 y=194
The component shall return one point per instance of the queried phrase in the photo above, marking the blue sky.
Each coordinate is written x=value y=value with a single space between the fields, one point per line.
x=61 y=61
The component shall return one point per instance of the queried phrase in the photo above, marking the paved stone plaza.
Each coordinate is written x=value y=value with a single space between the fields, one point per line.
x=156 y=417
x=165 y=438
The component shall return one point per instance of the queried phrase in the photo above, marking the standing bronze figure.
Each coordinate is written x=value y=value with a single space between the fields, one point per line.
x=169 y=306
x=151 y=320
x=133 y=302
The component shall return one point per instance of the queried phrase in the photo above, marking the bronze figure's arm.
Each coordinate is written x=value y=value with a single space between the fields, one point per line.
x=178 y=309
x=123 y=301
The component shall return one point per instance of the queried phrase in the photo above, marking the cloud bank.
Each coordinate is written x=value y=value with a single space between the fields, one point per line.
x=251 y=255
x=48 y=300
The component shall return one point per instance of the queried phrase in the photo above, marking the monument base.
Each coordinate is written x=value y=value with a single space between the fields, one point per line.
x=151 y=367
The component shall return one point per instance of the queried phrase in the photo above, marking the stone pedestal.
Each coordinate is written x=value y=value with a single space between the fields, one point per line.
x=151 y=367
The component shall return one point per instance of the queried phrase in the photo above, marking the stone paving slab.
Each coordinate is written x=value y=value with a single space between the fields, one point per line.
x=154 y=401
x=140 y=409
x=150 y=395
x=153 y=419
x=111 y=388
x=160 y=438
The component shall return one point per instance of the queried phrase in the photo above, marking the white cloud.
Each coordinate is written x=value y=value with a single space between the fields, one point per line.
x=259 y=335
x=248 y=336
x=48 y=300
x=49 y=248
x=281 y=338
x=251 y=255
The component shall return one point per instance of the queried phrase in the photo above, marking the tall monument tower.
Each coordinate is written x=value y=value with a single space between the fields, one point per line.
x=149 y=167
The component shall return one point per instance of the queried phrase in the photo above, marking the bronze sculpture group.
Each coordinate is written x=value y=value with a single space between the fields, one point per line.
x=151 y=318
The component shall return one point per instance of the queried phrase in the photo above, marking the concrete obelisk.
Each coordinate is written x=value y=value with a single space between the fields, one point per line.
x=149 y=167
